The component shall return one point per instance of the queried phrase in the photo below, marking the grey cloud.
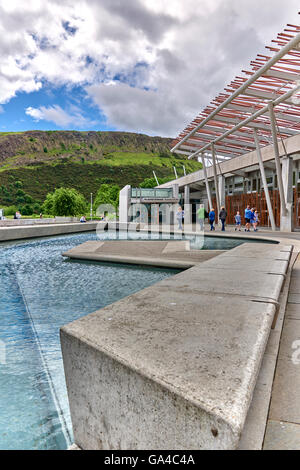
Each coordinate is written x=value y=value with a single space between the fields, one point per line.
x=130 y=108
x=137 y=16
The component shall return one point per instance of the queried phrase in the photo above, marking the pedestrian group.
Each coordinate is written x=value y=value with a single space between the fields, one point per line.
x=251 y=218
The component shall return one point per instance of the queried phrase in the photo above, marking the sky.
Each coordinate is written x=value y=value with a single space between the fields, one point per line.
x=146 y=66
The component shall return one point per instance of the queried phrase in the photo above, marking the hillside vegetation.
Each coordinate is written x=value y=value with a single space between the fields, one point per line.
x=34 y=163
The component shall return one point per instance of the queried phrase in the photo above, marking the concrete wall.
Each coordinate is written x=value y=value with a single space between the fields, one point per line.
x=33 y=231
x=22 y=222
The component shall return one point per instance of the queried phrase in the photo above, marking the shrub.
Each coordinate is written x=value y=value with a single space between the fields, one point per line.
x=26 y=210
x=48 y=206
x=151 y=182
x=108 y=194
x=64 y=202
x=10 y=210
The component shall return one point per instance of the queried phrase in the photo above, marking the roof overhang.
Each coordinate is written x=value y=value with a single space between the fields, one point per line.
x=230 y=122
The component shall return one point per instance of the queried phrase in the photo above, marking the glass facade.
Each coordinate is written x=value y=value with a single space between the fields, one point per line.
x=152 y=193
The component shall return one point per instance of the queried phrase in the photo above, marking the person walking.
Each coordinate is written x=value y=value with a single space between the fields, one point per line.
x=238 y=221
x=201 y=216
x=248 y=216
x=222 y=217
x=212 y=218
x=255 y=221
x=179 y=217
x=252 y=217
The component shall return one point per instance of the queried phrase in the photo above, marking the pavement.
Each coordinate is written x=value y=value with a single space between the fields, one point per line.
x=283 y=427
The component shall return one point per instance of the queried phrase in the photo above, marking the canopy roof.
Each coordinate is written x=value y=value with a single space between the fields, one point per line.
x=230 y=121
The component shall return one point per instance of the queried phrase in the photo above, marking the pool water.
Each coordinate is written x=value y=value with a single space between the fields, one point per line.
x=39 y=292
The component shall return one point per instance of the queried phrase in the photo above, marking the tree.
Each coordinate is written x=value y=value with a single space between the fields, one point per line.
x=48 y=206
x=64 y=202
x=108 y=194
x=151 y=182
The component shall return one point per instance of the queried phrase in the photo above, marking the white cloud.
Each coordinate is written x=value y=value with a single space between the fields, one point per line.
x=59 y=116
x=168 y=57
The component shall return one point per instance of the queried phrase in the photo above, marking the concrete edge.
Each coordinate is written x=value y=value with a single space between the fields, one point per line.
x=167 y=263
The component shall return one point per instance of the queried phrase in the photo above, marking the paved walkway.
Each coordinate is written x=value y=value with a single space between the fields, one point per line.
x=262 y=232
x=283 y=428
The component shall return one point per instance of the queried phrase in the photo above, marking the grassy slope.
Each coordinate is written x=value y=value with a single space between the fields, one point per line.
x=43 y=161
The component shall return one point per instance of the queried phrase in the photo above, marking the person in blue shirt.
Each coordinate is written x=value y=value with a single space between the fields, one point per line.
x=212 y=218
x=252 y=217
x=179 y=217
x=256 y=221
x=238 y=221
x=248 y=215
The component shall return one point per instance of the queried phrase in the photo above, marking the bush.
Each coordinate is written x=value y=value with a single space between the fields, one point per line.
x=10 y=210
x=108 y=194
x=48 y=206
x=26 y=210
x=151 y=182
x=64 y=202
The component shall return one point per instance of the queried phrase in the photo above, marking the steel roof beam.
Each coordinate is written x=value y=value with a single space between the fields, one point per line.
x=220 y=147
x=254 y=125
x=247 y=121
x=288 y=47
x=242 y=143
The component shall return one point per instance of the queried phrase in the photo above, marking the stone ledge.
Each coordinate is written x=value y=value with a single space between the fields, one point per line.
x=34 y=231
x=170 y=367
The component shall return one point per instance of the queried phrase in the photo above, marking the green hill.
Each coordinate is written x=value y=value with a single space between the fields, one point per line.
x=34 y=163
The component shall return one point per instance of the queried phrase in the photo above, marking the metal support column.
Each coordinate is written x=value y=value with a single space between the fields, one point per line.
x=206 y=183
x=216 y=178
x=277 y=159
x=264 y=180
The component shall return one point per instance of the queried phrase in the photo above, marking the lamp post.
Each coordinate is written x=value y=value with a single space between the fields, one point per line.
x=91 y=212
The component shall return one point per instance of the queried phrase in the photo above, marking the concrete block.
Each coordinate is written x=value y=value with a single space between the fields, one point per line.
x=163 y=370
x=33 y=231
x=205 y=279
x=265 y=251
x=263 y=265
